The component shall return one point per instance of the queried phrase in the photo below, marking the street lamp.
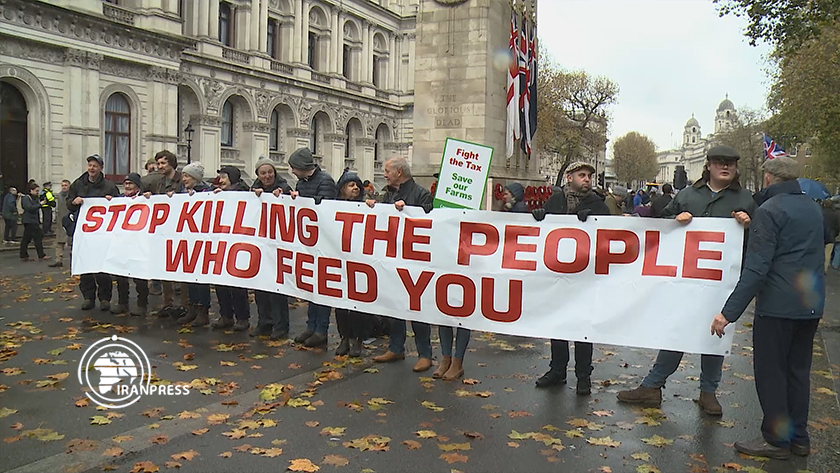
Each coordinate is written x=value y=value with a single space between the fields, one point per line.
x=188 y=131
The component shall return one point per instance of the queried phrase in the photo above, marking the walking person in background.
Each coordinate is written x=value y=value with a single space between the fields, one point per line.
x=272 y=307
x=352 y=325
x=659 y=203
x=315 y=183
x=47 y=206
x=92 y=184
x=62 y=241
x=10 y=215
x=785 y=248
x=131 y=184
x=31 y=225
x=233 y=301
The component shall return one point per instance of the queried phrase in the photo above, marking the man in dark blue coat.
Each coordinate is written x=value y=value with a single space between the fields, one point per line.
x=783 y=271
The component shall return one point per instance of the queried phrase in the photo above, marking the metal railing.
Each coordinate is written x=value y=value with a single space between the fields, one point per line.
x=234 y=55
x=117 y=13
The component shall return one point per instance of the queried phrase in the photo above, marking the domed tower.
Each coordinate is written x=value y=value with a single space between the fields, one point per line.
x=691 y=134
x=726 y=116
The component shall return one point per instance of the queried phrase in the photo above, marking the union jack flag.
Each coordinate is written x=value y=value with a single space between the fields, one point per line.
x=771 y=149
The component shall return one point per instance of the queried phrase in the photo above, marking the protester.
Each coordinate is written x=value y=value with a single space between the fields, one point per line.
x=831 y=219
x=658 y=204
x=577 y=198
x=315 y=183
x=31 y=225
x=402 y=191
x=233 y=301
x=92 y=184
x=132 y=185
x=10 y=215
x=717 y=194
x=515 y=198
x=785 y=248
x=370 y=191
x=198 y=295
x=61 y=238
x=615 y=199
x=168 y=183
x=47 y=205
x=272 y=307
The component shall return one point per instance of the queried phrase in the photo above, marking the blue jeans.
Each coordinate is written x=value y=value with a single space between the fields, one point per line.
x=462 y=339
x=667 y=362
x=273 y=310
x=318 y=318
x=422 y=338
x=835 y=260
x=199 y=294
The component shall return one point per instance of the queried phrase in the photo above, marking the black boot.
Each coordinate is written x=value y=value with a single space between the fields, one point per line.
x=584 y=386
x=356 y=348
x=552 y=378
x=343 y=347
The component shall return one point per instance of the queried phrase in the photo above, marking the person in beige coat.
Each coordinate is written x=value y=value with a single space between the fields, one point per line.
x=61 y=238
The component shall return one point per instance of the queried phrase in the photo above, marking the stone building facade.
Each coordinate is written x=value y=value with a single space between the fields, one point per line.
x=692 y=152
x=125 y=79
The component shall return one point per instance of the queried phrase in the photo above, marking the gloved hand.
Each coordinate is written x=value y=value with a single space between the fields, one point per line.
x=539 y=214
x=318 y=199
x=583 y=214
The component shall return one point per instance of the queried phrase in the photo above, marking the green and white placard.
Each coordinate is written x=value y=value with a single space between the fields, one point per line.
x=463 y=175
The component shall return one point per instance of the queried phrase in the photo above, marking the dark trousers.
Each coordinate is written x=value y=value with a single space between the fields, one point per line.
x=233 y=301
x=32 y=232
x=560 y=357
x=92 y=285
x=352 y=324
x=10 y=232
x=782 y=350
x=199 y=294
x=273 y=310
x=46 y=218
x=142 y=287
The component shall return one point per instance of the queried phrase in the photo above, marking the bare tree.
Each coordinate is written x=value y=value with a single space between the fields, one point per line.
x=634 y=157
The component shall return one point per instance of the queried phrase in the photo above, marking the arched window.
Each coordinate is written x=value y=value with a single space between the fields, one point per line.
x=117 y=137
x=227 y=124
x=273 y=130
x=313 y=138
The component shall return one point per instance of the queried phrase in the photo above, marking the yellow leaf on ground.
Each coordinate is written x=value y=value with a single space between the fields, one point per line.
x=216 y=419
x=145 y=467
x=471 y=381
x=412 y=444
x=82 y=402
x=426 y=434
x=5 y=412
x=188 y=455
x=173 y=464
x=272 y=452
x=112 y=452
x=200 y=431
x=658 y=441
x=189 y=415
x=302 y=464
x=603 y=442
x=432 y=406
x=225 y=454
x=450 y=447
x=99 y=420
x=454 y=457
x=643 y=456
x=826 y=391
x=646 y=468
x=122 y=438
x=235 y=434
x=333 y=431
x=335 y=460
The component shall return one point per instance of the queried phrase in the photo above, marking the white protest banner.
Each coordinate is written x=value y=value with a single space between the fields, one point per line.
x=617 y=280
x=463 y=175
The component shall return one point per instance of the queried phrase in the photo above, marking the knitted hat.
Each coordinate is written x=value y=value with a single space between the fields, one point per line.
x=194 y=170
x=234 y=174
x=135 y=178
x=302 y=159
x=262 y=162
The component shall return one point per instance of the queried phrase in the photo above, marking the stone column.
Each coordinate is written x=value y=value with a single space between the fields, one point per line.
x=82 y=127
x=367 y=55
x=254 y=27
x=206 y=145
x=335 y=38
x=304 y=32
x=203 y=18
x=297 y=40
x=254 y=144
x=214 y=20
x=242 y=19
x=398 y=43
x=263 y=37
x=392 y=63
x=339 y=46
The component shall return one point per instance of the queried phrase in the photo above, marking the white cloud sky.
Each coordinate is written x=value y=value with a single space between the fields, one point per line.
x=671 y=58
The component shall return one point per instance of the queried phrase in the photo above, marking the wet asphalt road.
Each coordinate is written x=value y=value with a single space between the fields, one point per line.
x=472 y=425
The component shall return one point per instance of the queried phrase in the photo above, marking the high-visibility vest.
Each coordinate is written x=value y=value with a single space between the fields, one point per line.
x=50 y=199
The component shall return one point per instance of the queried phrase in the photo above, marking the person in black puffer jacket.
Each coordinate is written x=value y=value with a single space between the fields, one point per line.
x=233 y=301
x=272 y=307
x=92 y=184
x=314 y=183
x=31 y=224
x=577 y=198
x=515 y=198
x=352 y=325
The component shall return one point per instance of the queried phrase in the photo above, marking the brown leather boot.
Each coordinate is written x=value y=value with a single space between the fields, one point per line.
x=192 y=313
x=423 y=364
x=455 y=371
x=388 y=357
x=710 y=405
x=202 y=316
x=445 y=363
x=642 y=395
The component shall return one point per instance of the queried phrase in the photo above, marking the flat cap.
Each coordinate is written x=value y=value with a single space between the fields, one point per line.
x=723 y=152
x=578 y=165
x=783 y=167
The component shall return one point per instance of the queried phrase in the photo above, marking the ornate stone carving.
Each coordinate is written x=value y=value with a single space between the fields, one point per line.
x=124 y=69
x=298 y=132
x=74 y=57
x=258 y=127
x=305 y=112
x=262 y=99
x=334 y=137
x=274 y=4
x=212 y=90
x=206 y=120
x=365 y=142
x=16 y=47
x=450 y=3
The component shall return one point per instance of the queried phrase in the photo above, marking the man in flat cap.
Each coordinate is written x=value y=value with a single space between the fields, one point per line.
x=576 y=198
x=718 y=193
x=785 y=250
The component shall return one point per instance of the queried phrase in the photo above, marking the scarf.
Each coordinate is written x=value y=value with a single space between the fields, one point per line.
x=574 y=198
